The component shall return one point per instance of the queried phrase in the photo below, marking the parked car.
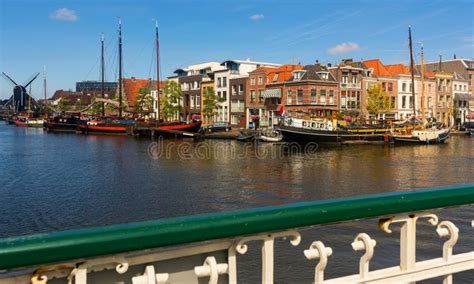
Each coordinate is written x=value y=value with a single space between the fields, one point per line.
x=219 y=126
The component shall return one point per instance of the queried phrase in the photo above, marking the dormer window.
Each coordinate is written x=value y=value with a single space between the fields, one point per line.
x=297 y=75
x=275 y=78
x=323 y=75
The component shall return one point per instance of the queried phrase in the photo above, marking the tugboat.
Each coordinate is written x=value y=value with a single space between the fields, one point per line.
x=325 y=131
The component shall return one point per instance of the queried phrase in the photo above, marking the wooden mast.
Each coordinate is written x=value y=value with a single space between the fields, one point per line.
x=102 y=72
x=120 y=68
x=412 y=71
x=157 y=69
x=29 y=102
x=45 y=94
x=422 y=86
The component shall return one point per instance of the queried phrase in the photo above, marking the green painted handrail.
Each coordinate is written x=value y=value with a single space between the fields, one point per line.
x=91 y=242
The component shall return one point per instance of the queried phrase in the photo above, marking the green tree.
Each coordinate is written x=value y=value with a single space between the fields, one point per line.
x=144 y=100
x=377 y=100
x=170 y=101
x=209 y=103
x=64 y=104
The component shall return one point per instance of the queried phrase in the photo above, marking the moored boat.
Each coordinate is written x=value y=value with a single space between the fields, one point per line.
x=422 y=136
x=21 y=121
x=246 y=135
x=325 y=132
x=106 y=125
x=270 y=135
x=63 y=123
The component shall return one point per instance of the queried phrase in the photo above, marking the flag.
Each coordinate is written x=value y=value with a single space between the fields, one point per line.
x=282 y=111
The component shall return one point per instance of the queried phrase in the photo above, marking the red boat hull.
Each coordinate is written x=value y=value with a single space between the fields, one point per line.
x=21 y=123
x=186 y=127
x=104 y=129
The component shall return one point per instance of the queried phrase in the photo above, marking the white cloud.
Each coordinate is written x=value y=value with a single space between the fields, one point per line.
x=343 y=48
x=257 y=17
x=64 y=14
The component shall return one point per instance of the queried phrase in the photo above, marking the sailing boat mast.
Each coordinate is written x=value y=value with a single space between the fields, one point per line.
x=157 y=69
x=412 y=71
x=422 y=85
x=120 y=68
x=102 y=72
x=29 y=102
x=45 y=94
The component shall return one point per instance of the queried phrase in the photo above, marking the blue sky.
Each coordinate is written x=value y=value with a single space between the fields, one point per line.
x=64 y=35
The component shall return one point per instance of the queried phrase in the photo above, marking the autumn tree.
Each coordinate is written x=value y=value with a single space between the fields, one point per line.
x=377 y=100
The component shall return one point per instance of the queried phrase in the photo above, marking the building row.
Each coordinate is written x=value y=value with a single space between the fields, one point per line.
x=251 y=93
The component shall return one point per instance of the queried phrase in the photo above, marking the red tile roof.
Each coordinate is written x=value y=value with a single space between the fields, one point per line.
x=284 y=72
x=132 y=86
x=397 y=69
x=379 y=68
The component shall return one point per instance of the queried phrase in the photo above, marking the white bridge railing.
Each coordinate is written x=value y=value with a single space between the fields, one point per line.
x=216 y=261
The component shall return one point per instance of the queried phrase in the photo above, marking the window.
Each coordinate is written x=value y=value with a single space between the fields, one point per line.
x=224 y=95
x=429 y=88
x=456 y=87
x=430 y=102
x=289 y=98
x=218 y=94
x=219 y=82
x=331 y=96
x=299 y=97
x=260 y=80
x=241 y=89
x=384 y=86
x=323 y=96
x=411 y=102
x=404 y=87
x=252 y=96
x=390 y=87
x=198 y=101
x=354 y=79
x=404 y=101
x=234 y=90
x=224 y=81
x=314 y=99
x=260 y=96
x=252 y=81
x=411 y=87
x=275 y=78
x=344 y=79
x=392 y=102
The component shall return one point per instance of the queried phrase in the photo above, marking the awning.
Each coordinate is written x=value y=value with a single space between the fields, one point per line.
x=272 y=93
x=461 y=97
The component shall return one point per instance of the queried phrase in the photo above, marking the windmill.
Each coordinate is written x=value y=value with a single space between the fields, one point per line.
x=19 y=100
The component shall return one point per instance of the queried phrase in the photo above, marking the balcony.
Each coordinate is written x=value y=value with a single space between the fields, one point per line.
x=207 y=247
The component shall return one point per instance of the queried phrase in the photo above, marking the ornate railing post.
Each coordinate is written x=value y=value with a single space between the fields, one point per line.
x=364 y=242
x=150 y=277
x=267 y=250
x=318 y=250
x=211 y=269
x=447 y=228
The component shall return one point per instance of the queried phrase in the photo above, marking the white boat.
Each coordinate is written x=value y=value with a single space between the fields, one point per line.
x=423 y=136
x=270 y=135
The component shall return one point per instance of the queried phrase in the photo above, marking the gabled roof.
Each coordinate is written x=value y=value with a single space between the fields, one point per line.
x=377 y=66
x=132 y=86
x=313 y=73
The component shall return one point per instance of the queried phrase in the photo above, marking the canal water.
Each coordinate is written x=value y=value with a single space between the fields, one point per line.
x=51 y=182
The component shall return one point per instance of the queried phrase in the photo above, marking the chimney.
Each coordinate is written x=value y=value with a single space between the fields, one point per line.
x=329 y=64
x=317 y=61
x=454 y=56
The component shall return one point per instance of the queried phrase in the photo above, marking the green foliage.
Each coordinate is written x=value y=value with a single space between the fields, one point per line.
x=210 y=101
x=64 y=104
x=170 y=100
x=377 y=100
x=144 y=100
